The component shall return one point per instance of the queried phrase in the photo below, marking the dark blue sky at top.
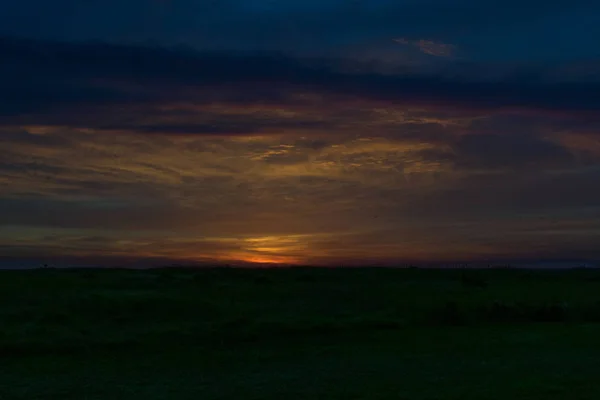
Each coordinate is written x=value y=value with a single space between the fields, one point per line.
x=515 y=53
x=509 y=30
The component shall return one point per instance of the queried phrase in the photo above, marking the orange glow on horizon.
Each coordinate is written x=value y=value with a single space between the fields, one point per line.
x=269 y=260
x=261 y=259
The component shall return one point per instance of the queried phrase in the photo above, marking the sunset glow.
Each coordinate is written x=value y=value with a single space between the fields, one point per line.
x=390 y=137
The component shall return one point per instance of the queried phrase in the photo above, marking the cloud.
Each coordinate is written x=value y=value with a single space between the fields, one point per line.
x=226 y=199
x=510 y=150
x=118 y=87
x=250 y=156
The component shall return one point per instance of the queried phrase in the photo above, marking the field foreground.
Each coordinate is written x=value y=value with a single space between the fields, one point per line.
x=299 y=334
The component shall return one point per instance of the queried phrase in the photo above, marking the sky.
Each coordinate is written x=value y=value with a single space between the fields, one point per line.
x=322 y=132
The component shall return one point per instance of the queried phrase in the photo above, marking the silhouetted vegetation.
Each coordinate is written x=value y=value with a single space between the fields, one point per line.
x=63 y=314
x=102 y=307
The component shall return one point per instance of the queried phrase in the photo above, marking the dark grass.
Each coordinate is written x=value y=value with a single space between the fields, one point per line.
x=299 y=334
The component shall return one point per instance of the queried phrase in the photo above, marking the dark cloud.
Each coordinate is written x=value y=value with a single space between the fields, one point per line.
x=490 y=196
x=246 y=126
x=98 y=214
x=77 y=82
x=19 y=136
x=514 y=151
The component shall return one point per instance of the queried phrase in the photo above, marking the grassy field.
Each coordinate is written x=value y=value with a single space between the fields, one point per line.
x=299 y=334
